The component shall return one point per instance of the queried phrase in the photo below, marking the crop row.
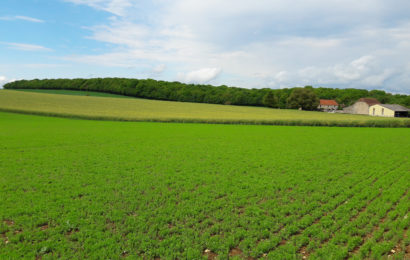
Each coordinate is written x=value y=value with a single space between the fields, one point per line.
x=89 y=189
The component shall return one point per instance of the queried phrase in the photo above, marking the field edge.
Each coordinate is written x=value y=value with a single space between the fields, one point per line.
x=280 y=122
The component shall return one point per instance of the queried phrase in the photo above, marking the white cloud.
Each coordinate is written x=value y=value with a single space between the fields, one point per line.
x=259 y=43
x=117 y=7
x=4 y=80
x=200 y=76
x=25 y=46
x=159 y=68
x=364 y=71
x=114 y=59
x=309 y=42
x=29 y=19
x=21 y=17
x=122 y=33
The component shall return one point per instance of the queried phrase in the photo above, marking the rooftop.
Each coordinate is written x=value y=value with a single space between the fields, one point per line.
x=369 y=101
x=395 y=107
x=328 y=102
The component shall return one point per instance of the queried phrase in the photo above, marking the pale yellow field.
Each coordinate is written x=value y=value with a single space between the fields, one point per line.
x=168 y=111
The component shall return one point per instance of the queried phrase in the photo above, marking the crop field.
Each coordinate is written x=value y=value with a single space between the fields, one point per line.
x=133 y=109
x=76 y=189
x=73 y=92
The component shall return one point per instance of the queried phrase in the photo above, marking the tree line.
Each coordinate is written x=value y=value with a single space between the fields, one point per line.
x=199 y=93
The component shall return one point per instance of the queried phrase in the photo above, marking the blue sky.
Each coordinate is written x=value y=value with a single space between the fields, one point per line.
x=244 y=43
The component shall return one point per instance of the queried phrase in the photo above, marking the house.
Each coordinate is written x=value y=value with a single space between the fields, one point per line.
x=328 y=105
x=361 y=106
x=389 y=110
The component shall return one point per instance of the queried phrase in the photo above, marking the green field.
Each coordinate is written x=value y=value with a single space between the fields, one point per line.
x=132 y=109
x=76 y=189
x=73 y=93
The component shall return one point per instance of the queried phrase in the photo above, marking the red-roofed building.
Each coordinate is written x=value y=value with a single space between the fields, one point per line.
x=328 y=105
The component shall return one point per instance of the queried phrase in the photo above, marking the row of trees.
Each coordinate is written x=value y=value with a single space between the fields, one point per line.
x=176 y=91
x=303 y=98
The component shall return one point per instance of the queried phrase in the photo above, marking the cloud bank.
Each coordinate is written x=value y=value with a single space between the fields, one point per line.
x=349 y=43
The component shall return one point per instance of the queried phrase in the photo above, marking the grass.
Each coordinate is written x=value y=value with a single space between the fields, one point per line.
x=73 y=92
x=131 y=109
x=78 y=189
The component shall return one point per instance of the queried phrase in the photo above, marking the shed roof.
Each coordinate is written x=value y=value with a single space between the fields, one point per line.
x=369 y=101
x=394 y=107
x=328 y=102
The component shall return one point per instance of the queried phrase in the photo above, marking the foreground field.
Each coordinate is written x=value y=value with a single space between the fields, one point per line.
x=106 y=190
x=168 y=111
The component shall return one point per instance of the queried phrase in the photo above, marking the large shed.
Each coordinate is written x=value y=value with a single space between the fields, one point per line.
x=361 y=106
x=389 y=110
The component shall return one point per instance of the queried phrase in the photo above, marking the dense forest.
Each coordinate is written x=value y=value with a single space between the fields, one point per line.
x=176 y=91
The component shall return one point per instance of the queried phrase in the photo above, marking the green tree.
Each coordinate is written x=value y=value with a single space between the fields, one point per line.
x=177 y=91
x=303 y=98
x=270 y=100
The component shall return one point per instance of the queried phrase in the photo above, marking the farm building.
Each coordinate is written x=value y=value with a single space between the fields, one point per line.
x=389 y=110
x=328 y=105
x=361 y=106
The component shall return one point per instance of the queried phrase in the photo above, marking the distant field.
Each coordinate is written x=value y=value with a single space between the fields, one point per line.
x=73 y=92
x=80 y=189
x=167 y=111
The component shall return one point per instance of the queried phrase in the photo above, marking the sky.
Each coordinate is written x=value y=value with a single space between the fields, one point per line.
x=244 y=43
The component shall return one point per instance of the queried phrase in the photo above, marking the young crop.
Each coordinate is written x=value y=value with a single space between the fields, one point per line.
x=110 y=190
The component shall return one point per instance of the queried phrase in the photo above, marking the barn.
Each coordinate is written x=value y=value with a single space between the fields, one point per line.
x=389 y=110
x=328 y=105
x=361 y=106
